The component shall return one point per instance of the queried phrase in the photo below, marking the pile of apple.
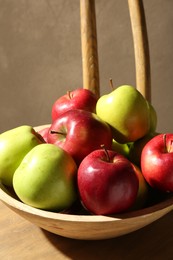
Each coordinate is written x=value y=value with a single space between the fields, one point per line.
x=104 y=152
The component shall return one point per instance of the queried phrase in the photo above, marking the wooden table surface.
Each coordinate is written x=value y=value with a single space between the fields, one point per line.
x=20 y=239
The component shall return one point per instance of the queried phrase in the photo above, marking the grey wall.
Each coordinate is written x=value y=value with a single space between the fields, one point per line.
x=40 y=55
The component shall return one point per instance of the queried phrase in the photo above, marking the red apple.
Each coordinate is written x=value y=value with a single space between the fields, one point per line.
x=136 y=148
x=107 y=182
x=77 y=99
x=157 y=162
x=79 y=132
x=44 y=132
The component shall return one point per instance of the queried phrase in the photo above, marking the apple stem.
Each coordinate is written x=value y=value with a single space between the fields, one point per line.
x=106 y=153
x=111 y=83
x=69 y=94
x=165 y=146
x=164 y=141
x=56 y=132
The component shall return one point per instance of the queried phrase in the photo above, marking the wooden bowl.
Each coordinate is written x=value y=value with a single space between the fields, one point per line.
x=89 y=227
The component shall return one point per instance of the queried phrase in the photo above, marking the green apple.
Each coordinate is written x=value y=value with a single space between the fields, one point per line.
x=153 y=118
x=126 y=111
x=120 y=148
x=46 y=178
x=14 y=145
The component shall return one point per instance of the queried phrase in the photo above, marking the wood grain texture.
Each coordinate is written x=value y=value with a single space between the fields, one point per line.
x=141 y=47
x=89 y=46
x=20 y=239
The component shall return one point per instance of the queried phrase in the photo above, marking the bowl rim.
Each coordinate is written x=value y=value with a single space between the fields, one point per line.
x=13 y=203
